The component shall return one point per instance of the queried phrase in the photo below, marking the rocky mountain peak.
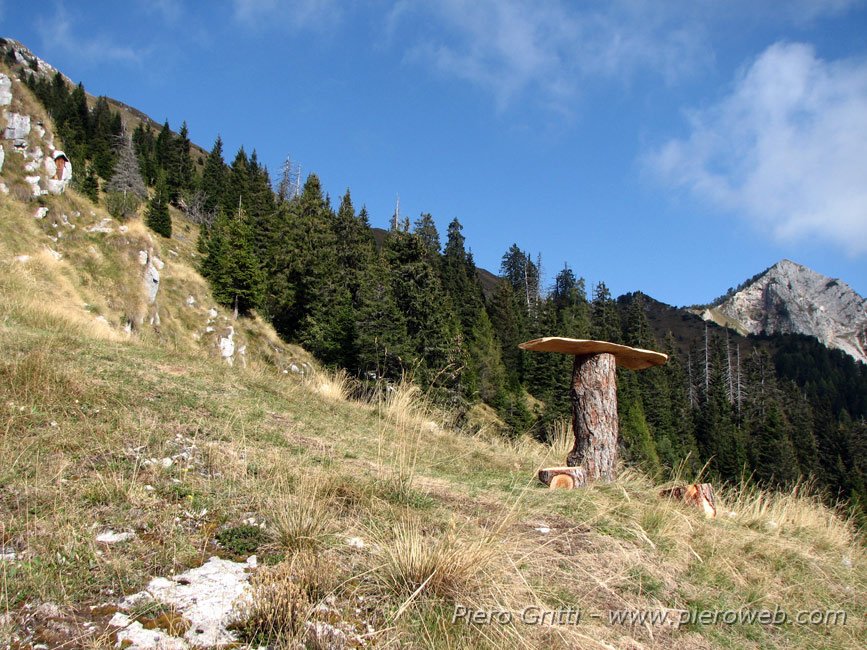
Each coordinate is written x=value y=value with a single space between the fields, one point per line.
x=790 y=298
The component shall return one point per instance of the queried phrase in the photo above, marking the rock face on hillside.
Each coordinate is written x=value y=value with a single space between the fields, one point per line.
x=791 y=299
x=5 y=90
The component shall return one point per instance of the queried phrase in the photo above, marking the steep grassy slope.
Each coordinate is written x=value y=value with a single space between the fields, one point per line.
x=151 y=432
x=88 y=421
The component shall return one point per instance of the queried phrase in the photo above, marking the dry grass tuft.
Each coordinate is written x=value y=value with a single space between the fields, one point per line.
x=799 y=510
x=332 y=385
x=561 y=439
x=452 y=566
x=303 y=520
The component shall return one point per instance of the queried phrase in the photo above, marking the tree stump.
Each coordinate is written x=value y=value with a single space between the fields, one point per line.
x=594 y=416
x=699 y=495
x=563 y=478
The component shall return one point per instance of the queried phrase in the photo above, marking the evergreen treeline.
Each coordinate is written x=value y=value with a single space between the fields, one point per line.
x=414 y=306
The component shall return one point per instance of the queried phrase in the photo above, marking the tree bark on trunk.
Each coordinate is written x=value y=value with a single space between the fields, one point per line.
x=594 y=416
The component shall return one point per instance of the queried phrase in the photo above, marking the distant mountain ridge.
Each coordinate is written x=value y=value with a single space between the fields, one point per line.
x=789 y=298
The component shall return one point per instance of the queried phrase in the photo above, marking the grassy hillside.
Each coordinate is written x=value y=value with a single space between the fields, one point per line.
x=379 y=517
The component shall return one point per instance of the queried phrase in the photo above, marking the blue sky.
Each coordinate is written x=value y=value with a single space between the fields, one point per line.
x=671 y=147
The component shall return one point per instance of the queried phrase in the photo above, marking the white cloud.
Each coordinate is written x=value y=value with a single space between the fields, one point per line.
x=787 y=148
x=58 y=36
x=170 y=10
x=316 y=15
x=550 y=49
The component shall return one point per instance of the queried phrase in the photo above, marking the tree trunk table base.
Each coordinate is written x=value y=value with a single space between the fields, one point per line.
x=594 y=406
x=699 y=495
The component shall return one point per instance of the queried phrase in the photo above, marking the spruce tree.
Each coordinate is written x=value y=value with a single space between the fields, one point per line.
x=89 y=185
x=381 y=335
x=157 y=217
x=303 y=270
x=185 y=174
x=431 y=324
x=213 y=178
x=605 y=318
x=231 y=264
x=236 y=192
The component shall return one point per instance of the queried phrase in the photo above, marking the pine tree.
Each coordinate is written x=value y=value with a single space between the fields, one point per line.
x=506 y=316
x=524 y=276
x=157 y=217
x=570 y=302
x=432 y=327
x=302 y=273
x=145 y=148
x=381 y=336
x=426 y=230
x=459 y=277
x=185 y=173
x=774 y=461
x=213 y=178
x=101 y=136
x=605 y=318
x=231 y=264
x=236 y=192
x=89 y=186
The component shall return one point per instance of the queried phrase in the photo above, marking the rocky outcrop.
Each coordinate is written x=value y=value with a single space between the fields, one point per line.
x=153 y=266
x=2 y=157
x=5 y=90
x=790 y=298
x=17 y=129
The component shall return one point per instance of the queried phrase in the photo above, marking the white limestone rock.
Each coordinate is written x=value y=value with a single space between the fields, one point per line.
x=227 y=346
x=40 y=213
x=57 y=256
x=103 y=226
x=191 y=300
x=143 y=258
x=152 y=279
x=5 y=90
x=205 y=596
x=33 y=182
x=35 y=156
x=2 y=157
x=17 y=129
x=134 y=635
x=111 y=537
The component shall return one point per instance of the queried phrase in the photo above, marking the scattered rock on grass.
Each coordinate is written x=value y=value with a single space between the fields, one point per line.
x=204 y=596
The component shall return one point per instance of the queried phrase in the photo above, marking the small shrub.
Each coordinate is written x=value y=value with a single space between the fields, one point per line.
x=241 y=540
x=275 y=611
x=122 y=206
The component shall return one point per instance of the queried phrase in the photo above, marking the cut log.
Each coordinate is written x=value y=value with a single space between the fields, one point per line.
x=563 y=478
x=594 y=416
x=699 y=495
